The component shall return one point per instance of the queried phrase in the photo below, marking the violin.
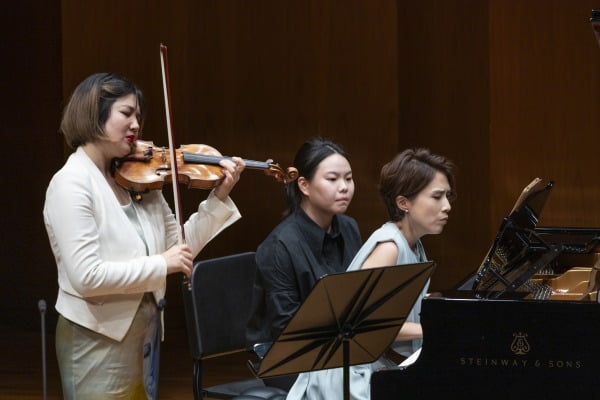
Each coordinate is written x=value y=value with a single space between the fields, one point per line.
x=148 y=167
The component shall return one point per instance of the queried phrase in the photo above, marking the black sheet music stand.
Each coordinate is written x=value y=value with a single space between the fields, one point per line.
x=348 y=318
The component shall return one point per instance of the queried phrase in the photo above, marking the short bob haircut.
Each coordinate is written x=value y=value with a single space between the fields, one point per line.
x=409 y=173
x=89 y=107
x=307 y=161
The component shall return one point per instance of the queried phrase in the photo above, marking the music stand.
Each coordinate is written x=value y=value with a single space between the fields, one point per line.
x=348 y=318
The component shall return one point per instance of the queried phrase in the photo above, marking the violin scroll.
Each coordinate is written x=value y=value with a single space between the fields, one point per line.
x=286 y=176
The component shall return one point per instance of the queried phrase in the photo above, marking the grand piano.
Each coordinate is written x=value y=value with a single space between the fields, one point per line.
x=525 y=325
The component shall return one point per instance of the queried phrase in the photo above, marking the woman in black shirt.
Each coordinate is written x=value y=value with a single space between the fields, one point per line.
x=315 y=239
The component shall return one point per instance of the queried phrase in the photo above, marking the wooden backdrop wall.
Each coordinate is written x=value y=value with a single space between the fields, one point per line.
x=507 y=89
x=545 y=103
x=444 y=106
x=32 y=93
x=254 y=79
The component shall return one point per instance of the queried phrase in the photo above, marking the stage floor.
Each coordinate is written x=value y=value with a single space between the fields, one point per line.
x=21 y=367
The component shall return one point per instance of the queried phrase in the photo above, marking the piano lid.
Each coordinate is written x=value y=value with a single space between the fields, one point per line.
x=518 y=252
x=528 y=207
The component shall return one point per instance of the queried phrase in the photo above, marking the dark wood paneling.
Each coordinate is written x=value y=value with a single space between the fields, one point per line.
x=545 y=98
x=31 y=88
x=254 y=79
x=443 y=103
x=505 y=88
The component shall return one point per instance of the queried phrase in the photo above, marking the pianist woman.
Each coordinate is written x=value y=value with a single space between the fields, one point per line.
x=417 y=187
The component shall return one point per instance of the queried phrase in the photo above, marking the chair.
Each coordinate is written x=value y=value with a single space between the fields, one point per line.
x=217 y=308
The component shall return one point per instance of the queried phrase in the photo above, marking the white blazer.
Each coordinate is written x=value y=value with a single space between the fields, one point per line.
x=103 y=269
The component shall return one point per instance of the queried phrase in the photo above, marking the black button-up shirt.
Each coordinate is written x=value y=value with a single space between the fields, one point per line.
x=290 y=261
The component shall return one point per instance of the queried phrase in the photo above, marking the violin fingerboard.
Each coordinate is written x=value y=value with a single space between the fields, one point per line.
x=193 y=158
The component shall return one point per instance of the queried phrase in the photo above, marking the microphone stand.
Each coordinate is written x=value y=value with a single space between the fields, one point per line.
x=42 y=308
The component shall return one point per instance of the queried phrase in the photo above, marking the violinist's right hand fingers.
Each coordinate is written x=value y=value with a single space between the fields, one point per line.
x=179 y=259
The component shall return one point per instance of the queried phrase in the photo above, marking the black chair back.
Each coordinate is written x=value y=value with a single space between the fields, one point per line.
x=219 y=304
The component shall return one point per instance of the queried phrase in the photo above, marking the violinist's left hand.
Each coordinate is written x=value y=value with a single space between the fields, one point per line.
x=232 y=170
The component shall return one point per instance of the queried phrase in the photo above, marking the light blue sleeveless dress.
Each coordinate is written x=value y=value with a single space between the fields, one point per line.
x=328 y=384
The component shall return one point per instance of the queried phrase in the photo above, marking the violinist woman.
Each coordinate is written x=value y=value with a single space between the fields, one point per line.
x=113 y=255
x=315 y=239
x=416 y=187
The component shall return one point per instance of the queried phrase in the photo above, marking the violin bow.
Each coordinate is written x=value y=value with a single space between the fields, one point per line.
x=164 y=66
